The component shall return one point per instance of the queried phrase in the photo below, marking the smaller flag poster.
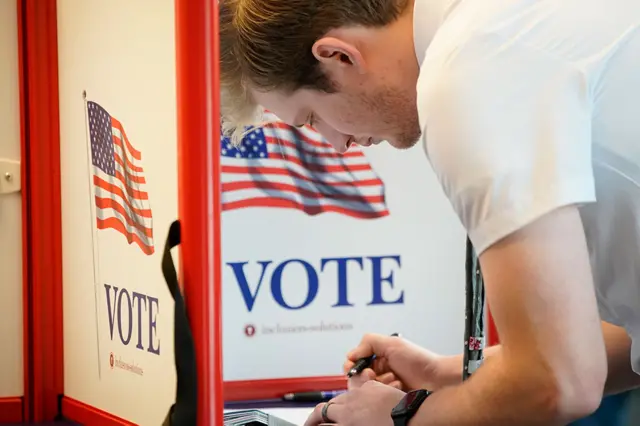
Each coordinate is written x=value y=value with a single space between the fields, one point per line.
x=127 y=280
x=121 y=201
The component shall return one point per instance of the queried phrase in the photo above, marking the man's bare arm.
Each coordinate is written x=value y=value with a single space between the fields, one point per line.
x=552 y=366
x=620 y=377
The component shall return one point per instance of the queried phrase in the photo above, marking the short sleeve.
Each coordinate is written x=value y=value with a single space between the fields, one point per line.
x=508 y=133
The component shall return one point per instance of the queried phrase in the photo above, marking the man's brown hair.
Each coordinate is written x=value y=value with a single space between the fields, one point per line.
x=266 y=44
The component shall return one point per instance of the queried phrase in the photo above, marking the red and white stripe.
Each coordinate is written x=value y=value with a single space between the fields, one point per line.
x=121 y=203
x=313 y=178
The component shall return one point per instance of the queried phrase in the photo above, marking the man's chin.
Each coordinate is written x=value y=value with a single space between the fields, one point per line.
x=403 y=144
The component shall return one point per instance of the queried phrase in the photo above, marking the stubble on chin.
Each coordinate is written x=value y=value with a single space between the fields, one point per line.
x=400 y=115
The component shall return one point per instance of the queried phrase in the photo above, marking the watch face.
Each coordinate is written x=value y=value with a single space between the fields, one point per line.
x=410 y=403
x=412 y=397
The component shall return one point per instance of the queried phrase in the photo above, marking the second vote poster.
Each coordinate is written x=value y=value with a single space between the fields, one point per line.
x=319 y=248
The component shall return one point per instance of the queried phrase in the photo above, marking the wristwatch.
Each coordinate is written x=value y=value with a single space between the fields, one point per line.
x=408 y=406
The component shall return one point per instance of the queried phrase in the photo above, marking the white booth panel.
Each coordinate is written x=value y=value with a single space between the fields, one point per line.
x=119 y=196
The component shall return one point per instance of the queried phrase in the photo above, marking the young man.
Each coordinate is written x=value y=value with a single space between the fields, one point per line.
x=528 y=112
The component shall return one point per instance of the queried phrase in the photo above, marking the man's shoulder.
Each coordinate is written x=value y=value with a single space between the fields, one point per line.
x=485 y=59
x=469 y=65
x=471 y=21
x=467 y=38
x=569 y=31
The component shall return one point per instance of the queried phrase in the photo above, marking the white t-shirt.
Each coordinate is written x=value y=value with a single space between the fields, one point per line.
x=530 y=105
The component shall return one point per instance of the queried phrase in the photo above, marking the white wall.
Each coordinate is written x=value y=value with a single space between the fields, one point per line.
x=122 y=53
x=11 y=360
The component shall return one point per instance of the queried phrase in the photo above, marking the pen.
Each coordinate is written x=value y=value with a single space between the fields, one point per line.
x=363 y=363
x=318 y=396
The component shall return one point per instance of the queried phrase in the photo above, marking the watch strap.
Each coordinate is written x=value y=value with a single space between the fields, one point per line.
x=408 y=406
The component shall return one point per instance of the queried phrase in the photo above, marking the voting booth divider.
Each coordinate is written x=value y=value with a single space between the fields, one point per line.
x=289 y=252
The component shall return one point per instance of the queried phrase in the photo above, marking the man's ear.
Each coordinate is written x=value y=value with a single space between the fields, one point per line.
x=338 y=55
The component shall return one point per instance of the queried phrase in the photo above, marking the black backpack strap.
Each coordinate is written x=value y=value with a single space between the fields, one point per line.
x=184 y=411
x=474 y=324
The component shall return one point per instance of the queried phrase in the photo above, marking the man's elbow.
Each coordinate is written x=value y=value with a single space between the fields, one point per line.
x=578 y=393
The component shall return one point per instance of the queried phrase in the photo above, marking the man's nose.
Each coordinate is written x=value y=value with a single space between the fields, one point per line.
x=338 y=140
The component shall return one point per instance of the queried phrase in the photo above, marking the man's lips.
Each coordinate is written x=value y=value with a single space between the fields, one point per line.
x=364 y=142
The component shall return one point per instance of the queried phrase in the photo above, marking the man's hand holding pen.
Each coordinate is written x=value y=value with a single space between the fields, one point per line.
x=385 y=368
x=401 y=364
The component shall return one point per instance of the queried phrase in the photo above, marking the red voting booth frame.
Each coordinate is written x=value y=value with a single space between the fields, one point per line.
x=199 y=212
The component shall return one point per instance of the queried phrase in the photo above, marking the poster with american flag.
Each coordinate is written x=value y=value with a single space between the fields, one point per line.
x=281 y=166
x=118 y=180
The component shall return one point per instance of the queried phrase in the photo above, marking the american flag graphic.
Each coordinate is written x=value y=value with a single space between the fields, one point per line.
x=118 y=180
x=278 y=165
